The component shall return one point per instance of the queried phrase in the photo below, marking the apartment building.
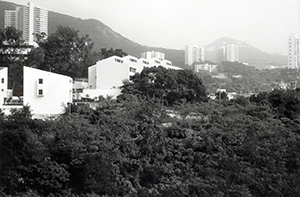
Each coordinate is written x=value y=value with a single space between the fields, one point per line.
x=293 y=51
x=194 y=54
x=153 y=54
x=29 y=19
x=46 y=93
x=228 y=52
x=107 y=76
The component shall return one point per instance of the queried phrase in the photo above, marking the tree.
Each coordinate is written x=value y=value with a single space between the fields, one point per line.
x=13 y=55
x=169 y=86
x=111 y=52
x=66 y=52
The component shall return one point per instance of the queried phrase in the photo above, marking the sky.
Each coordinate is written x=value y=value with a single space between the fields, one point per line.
x=264 y=24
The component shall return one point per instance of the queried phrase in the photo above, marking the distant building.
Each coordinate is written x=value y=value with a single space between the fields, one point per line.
x=293 y=51
x=194 y=54
x=207 y=67
x=232 y=53
x=29 y=19
x=153 y=54
x=229 y=52
x=46 y=93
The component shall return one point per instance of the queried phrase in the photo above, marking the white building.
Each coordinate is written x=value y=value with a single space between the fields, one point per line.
x=3 y=84
x=46 y=93
x=29 y=19
x=232 y=53
x=293 y=51
x=208 y=67
x=194 y=54
x=107 y=76
x=153 y=54
x=228 y=52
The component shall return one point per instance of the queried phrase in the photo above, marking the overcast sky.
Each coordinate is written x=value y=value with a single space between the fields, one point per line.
x=264 y=24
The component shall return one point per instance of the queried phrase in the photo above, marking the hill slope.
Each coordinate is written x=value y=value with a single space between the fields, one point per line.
x=248 y=53
x=105 y=37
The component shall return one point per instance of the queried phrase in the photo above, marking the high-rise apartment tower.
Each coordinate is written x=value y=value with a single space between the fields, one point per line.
x=293 y=51
x=194 y=54
x=29 y=19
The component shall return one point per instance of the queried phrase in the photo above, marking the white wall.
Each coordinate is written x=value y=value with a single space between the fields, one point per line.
x=110 y=73
x=92 y=77
x=57 y=91
x=3 y=85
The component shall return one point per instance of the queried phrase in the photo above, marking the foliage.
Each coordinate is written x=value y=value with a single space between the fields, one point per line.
x=137 y=147
x=66 y=52
x=170 y=86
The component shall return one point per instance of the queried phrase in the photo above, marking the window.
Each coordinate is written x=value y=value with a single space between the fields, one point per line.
x=145 y=62
x=40 y=92
x=40 y=81
x=2 y=90
x=158 y=62
x=132 y=69
x=132 y=60
x=118 y=60
x=2 y=80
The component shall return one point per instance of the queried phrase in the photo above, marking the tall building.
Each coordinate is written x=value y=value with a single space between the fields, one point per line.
x=232 y=53
x=229 y=52
x=293 y=51
x=29 y=19
x=194 y=54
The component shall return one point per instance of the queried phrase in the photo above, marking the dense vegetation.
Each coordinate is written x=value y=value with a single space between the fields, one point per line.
x=241 y=78
x=141 y=146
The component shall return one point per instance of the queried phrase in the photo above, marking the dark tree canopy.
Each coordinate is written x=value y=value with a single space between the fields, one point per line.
x=171 y=86
x=66 y=52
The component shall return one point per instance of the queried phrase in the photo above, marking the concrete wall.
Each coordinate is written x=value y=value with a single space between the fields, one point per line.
x=56 y=91
x=3 y=84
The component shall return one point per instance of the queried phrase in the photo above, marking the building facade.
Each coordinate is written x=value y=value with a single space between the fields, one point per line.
x=153 y=54
x=293 y=51
x=194 y=54
x=29 y=19
x=45 y=92
x=229 y=52
x=110 y=73
x=208 y=67
x=3 y=84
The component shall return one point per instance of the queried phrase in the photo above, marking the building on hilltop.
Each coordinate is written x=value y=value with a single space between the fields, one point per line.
x=29 y=19
x=194 y=54
x=293 y=51
x=46 y=93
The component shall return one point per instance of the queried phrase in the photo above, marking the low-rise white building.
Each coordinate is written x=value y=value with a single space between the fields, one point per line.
x=3 y=84
x=207 y=67
x=47 y=94
x=111 y=72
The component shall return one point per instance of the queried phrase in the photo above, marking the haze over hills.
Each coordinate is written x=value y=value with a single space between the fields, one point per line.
x=247 y=53
x=105 y=37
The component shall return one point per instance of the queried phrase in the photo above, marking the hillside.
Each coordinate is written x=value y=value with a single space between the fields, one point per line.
x=248 y=53
x=105 y=37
